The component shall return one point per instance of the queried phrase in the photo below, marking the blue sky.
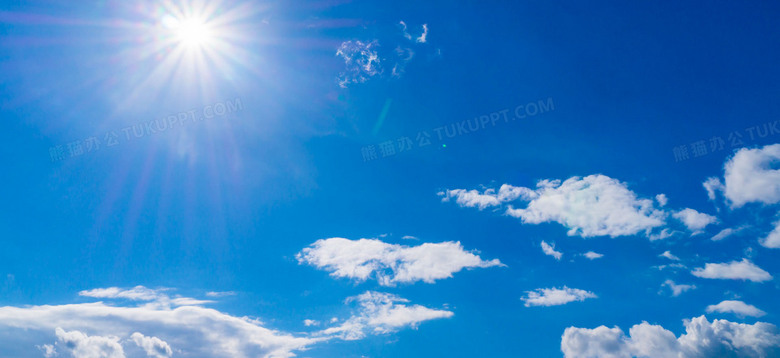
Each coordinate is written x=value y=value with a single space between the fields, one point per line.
x=356 y=179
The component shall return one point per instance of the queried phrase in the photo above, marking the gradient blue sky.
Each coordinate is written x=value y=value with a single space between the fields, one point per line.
x=227 y=203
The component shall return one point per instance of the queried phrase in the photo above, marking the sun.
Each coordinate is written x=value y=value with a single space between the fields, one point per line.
x=190 y=32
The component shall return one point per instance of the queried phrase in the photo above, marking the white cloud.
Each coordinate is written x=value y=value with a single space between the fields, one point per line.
x=555 y=296
x=725 y=233
x=361 y=60
x=772 y=240
x=84 y=346
x=595 y=205
x=390 y=263
x=381 y=313
x=737 y=307
x=693 y=219
x=409 y=237
x=88 y=328
x=677 y=289
x=138 y=293
x=310 y=322
x=668 y=254
x=720 y=338
x=549 y=250
x=153 y=346
x=713 y=186
x=487 y=198
x=735 y=270
x=420 y=39
x=220 y=294
x=471 y=198
x=593 y=255
x=48 y=350
x=749 y=177
x=423 y=37
x=661 y=199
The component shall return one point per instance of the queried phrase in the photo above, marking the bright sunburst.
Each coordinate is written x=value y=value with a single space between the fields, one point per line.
x=189 y=31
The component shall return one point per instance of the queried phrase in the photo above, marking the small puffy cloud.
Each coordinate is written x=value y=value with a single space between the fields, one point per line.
x=471 y=198
x=555 y=296
x=712 y=185
x=749 y=176
x=310 y=322
x=381 y=313
x=592 y=255
x=693 y=219
x=596 y=205
x=390 y=263
x=735 y=270
x=677 y=289
x=702 y=339
x=668 y=254
x=736 y=307
x=153 y=346
x=81 y=345
x=549 y=250
x=661 y=199
x=48 y=350
x=361 y=60
x=772 y=240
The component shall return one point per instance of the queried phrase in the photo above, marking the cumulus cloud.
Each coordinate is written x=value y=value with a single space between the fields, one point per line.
x=735 y=270
x=549 y=250
x=390 y=264
x=593 y=255
x=772 y=240
x=693 y=219
x=361 y=60
x=677 y=289
x=99 y=329
x=83 y=346
x=719 y=338
x=596 y=205
x=749 y=176
x=381 y=313
x=153 y=346
x=555 y=296
x=736 y=307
